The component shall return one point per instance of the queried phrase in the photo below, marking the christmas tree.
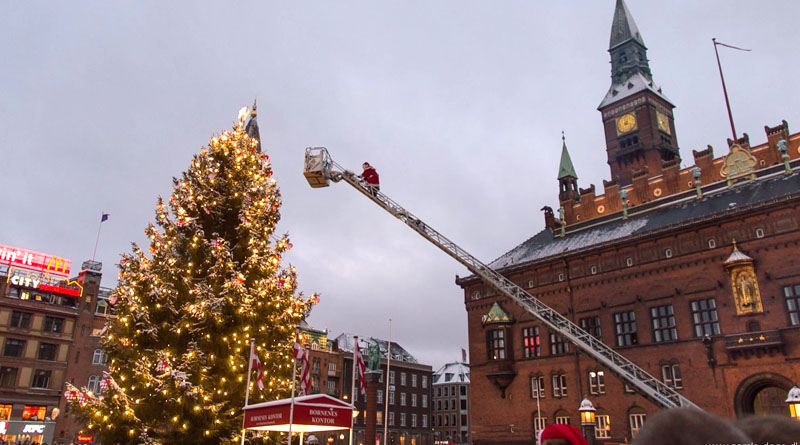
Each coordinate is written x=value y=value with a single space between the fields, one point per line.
x=188 y=306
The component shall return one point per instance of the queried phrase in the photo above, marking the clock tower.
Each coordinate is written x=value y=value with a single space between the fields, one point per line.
x=637 y=117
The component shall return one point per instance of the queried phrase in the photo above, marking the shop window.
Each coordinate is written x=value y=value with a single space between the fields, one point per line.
x=20 y=320
x=531 y=342
x=41 y=379
x=597 y=382
x=704 y=317
x=625 y=323
x=14 y=347
x=8 y=378
x=663 y=318
x=47 y=351
x=33 y=412
x=5 y=412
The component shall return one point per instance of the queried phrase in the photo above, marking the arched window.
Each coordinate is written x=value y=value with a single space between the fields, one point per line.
x=99 y=357
x=94 y=384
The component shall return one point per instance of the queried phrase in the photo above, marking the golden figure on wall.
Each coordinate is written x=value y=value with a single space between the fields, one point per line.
x=744 y=283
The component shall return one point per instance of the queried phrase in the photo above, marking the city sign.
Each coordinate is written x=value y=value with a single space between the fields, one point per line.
x=29 y=259
x=39 y=280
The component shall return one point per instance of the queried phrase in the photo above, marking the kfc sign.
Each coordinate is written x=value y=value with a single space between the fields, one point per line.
x=33 y=429
x=29 y=259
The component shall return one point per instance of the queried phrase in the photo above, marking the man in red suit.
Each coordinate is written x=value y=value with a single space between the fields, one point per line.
x=370 y=177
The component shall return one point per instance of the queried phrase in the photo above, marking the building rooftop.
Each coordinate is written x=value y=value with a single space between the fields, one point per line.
x=456 y=372
x=346 y=343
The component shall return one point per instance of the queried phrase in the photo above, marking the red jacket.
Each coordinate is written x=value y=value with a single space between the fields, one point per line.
x=370 y=176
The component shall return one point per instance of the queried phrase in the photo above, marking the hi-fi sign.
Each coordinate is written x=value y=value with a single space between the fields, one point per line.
x=29 y=259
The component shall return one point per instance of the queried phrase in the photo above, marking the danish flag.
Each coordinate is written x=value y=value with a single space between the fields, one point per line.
x=360 y=367
x=260 y=374
x=301 y=355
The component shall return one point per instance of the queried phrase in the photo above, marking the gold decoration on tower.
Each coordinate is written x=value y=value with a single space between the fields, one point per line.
x=744 y=283
x=739 y=163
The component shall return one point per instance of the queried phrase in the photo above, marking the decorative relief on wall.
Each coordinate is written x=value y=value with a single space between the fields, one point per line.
x=744 y=283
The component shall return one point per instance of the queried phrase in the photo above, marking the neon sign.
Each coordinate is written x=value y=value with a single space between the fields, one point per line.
x=33 y=280
x=29 y=259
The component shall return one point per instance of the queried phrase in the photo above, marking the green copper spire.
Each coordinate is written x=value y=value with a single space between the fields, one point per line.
x=565 y=169
x=623 y=28
x=496 y=315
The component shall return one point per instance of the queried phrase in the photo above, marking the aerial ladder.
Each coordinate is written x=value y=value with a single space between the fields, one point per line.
x=320 y=169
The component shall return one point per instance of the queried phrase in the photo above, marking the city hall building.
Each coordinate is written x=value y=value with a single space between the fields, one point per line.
x=691 y=273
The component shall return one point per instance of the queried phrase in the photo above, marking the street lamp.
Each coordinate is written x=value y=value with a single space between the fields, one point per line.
x=587 y=419
x=793 y=400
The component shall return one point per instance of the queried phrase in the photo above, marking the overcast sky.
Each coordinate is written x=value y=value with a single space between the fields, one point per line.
x=458 y=104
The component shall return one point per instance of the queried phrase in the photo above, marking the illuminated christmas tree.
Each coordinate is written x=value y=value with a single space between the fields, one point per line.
x=187 y=306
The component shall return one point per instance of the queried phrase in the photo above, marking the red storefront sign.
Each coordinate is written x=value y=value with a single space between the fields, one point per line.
x=84 y=438
x=29 y=259
x=317 y=412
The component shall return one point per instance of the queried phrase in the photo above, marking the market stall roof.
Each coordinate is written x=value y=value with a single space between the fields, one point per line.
x=316 y=412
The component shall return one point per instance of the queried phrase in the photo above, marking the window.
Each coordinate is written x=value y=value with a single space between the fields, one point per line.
x=402 y=379
x=379 y=417
x=562 y=420
x=531 y=343
x=5 y=412
x=445 y=391
x=704 y=317
x=625 y=323
x=41 y=379
x=413 y=400
x=759 y=233
x=593 y=270
x=332 y=368
x=424 y=420
x=463 y=404
x=711 y=243
x=331 y=386
x=99 y=357
x=560 y=277
x=8 y=378
x=559 y=385
x=663 y=323
x=602 y=427
x=101 y=308
x=314 y=364
x=53 y=324
x=672 y=375
x=413 y=380
x=20 y=320
x=558 y=345
x=792 y=294
x=424 y=400
x=34 y=412
x=94 y=384
x=537 y=387
x=539 y=422
x=47 y=351
x=592 y=326
x=496 y=344
x=424 y=381
x=391 y=377
x=402 y=419
x=463 y=390
x=629 y=261
x=637 y=421
x=380 y=396
x=391 y=397
x=14 y=347
x=597 y=382
x=391 y=418
x=668 y=253
x=402 y=399
x=413 y=420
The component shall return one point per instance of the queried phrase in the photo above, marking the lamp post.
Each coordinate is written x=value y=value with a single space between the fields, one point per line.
x=793 y=400
x=587 y=420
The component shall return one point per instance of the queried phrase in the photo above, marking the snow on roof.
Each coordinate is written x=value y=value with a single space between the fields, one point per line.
x=346 y=343
x=634 y=84
x=456 y=372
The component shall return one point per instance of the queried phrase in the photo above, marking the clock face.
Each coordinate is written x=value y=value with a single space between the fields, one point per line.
x=626 y=123
x=663 y=122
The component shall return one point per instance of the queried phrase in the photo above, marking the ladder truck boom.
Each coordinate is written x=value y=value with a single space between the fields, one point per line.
x=320 y=169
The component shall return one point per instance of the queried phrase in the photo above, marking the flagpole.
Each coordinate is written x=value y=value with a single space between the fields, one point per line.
x=249 y=372
x=294 y=371
x=97 y=239
x=725 y=91
x=388 y=366
x=353 y=388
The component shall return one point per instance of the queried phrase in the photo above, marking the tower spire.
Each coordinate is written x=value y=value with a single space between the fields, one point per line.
x=252 y=126
x=567 y=178
x=623 y=28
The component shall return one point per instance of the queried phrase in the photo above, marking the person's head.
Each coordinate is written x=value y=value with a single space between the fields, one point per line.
x=688 y=426
x=772 y=429
x=558 y=434
x=365 y=165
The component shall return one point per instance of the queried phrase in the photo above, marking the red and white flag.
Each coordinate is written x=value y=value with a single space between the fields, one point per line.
x=298 y=351
x=305 y=375
x=360 y=368
x=260 y=374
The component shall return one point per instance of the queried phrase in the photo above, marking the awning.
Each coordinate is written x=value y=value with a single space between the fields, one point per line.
x=316 y=412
